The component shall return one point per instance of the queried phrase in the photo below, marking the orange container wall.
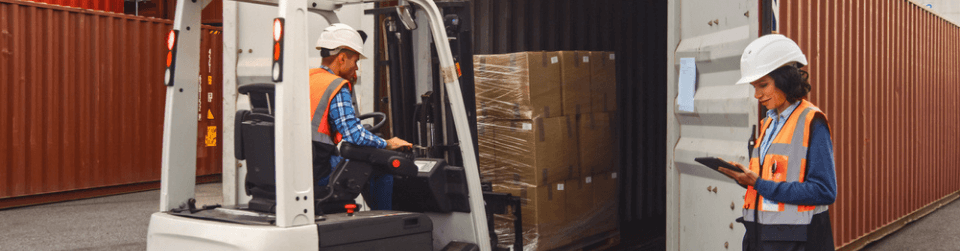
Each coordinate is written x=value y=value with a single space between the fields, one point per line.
x=886 y=75
x=82 y=102
x=104 y=5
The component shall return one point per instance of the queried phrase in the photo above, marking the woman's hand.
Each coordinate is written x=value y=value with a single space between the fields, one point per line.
x=746 y=178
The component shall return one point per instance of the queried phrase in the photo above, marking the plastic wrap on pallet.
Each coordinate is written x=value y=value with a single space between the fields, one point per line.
x=523 y=85
x=530 y=149
x=538 y=160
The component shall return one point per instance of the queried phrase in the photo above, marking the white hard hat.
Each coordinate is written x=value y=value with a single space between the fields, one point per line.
x=766 y=54
x=341 y=35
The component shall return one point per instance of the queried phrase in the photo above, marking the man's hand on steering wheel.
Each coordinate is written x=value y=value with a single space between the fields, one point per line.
x=397 y=143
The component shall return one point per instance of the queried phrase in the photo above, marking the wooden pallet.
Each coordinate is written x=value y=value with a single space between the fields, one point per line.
x=602 y=241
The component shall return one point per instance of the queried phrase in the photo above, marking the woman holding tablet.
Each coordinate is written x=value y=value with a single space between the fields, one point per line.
x=791 y=178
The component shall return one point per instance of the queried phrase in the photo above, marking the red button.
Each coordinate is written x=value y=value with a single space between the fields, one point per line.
x=350 y=208
x=396 y=163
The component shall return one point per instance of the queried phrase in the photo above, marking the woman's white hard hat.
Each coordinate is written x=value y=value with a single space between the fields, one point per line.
x=339 y=36
x=766 y=54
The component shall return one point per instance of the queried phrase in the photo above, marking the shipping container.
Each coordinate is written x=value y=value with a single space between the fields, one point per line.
x=115 y=6
x=885 y=73
x=212 y=14
x=83 y=103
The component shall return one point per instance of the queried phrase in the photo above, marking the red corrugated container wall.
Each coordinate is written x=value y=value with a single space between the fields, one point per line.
x=213 y=13
x=165 y=9
x=104 y=5
x=886 y=75
x=82 y=99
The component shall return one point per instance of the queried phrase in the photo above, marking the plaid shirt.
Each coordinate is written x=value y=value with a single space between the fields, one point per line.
x=345 y=119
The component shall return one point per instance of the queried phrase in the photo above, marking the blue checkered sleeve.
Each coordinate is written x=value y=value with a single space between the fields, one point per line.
x=345 y=120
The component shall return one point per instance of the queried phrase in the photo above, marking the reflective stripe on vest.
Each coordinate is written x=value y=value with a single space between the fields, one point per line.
x=788 y=153
x=789 y=216
x=320 y=79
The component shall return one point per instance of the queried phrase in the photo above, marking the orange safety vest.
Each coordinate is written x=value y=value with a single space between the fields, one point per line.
x=788 y=152
x=323 y=87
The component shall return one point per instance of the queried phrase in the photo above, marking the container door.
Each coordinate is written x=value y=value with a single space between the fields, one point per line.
x=706 y=40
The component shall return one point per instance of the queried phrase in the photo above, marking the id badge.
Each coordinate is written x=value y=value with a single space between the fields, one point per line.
x=770 y=206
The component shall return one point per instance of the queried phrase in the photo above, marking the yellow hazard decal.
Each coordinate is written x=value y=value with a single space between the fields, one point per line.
x=209 y=114
x=458 y=70
x=211 y=138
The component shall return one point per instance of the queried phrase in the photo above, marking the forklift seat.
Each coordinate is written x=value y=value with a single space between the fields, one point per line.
x=255 y=143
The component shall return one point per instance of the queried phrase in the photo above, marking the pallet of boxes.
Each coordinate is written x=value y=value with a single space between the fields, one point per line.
x=546 y=130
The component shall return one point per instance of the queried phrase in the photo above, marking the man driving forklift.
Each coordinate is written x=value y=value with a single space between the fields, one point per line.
x=333 y=117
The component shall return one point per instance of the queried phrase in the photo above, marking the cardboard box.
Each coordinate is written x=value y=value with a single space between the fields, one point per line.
x=523 y=85
x=543 y=211
x=603 y=81
x=581 y=208
x=487 y=142
x=537 y=152
x=606 y=198
x=598 y=146
x=575 y=82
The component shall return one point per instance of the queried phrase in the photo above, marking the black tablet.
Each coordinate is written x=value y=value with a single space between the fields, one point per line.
x=714 y=163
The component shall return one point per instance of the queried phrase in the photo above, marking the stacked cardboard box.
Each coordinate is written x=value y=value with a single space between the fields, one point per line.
x=486 y=136
x=519 y=86
x=575 y=79
x=545 y=135
x=597 y=143
x=603 y=81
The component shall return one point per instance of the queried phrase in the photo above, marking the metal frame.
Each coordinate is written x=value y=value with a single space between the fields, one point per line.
x=448 y=72
x=179 y=157
x=294 y=188
x=232 y=176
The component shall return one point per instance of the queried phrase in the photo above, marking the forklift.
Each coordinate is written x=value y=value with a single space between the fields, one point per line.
x=440 y=203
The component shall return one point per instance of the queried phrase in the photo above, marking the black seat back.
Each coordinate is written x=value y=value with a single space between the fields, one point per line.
x=255 y=144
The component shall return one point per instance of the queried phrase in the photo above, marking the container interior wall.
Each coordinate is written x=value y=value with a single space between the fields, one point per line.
x=83 y=100
x=636 y=32
x=885 y=73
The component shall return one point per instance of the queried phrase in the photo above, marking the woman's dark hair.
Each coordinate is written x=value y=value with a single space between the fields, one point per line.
x=792 y=81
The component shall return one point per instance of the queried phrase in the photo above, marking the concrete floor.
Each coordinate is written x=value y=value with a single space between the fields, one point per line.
x=120 y=223
x=107 y=223
x=939 y=230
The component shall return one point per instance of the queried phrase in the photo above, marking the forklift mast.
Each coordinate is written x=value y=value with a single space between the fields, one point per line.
x=424 y=117
x=288 y=71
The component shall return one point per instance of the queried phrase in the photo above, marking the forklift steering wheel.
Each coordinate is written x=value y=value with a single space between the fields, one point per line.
x=377 y=115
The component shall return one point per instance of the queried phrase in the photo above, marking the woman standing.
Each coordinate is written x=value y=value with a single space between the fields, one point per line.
x=791 y=179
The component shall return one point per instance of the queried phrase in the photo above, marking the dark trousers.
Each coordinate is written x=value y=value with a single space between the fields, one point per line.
x=819 y=237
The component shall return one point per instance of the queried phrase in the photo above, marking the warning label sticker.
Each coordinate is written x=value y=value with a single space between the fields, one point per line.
x=211 y=139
